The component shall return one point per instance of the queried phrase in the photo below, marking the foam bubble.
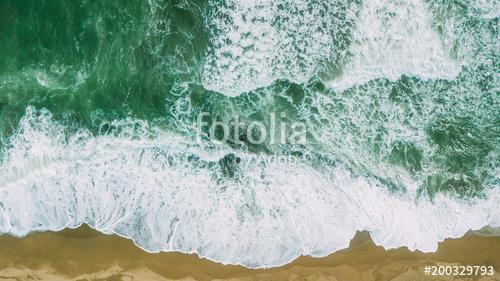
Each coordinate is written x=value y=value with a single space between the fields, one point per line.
x=395 y=38
x=168 y=194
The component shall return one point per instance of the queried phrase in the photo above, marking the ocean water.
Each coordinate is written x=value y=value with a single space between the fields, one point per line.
x=100 y=104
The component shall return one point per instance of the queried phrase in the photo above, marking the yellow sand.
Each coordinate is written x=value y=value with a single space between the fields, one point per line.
x=84 y=254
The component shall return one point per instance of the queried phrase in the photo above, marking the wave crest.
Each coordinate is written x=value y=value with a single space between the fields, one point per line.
x=168 y=195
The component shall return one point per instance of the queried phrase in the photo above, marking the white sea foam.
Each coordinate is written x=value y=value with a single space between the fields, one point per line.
x=393 y=38
x=170 y=195
x=487 y=9
x=254 y=43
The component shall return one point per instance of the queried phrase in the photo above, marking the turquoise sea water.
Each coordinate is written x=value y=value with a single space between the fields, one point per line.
x=99 y=103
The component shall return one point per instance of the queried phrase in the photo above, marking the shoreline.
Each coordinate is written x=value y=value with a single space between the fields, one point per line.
x=86 y=254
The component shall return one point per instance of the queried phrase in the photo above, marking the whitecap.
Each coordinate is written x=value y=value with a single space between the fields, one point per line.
x=169 y=194
x=393 y=38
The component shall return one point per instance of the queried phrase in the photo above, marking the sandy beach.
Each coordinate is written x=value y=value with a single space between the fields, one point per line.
x=85 y=254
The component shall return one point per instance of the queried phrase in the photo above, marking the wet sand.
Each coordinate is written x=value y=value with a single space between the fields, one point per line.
x=84 y=254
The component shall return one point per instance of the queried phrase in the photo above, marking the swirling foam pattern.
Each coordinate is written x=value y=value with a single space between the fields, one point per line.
x=166 y=195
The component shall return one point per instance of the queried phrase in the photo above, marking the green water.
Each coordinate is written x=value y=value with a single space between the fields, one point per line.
x=92 y=62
